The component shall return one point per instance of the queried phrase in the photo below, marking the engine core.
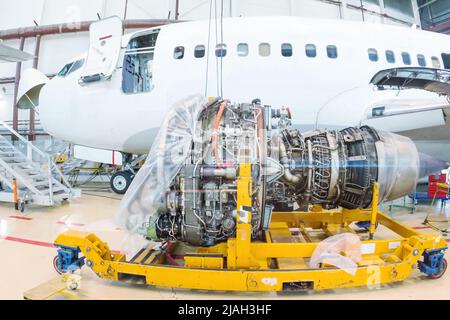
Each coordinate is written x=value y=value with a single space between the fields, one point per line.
x=186 y=191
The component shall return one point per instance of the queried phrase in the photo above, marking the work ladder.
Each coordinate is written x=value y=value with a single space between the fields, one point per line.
x=31 y=175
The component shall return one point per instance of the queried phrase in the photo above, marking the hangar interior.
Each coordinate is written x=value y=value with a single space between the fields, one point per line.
x=261 y=196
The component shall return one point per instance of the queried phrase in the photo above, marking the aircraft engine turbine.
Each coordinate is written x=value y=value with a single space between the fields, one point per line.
x=187 y=189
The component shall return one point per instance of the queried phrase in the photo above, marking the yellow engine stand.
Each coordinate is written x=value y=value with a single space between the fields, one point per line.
x=278 y=263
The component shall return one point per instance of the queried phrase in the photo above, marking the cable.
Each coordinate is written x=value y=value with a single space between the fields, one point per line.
x=100 y=196
x=217 y=37
x=207 y=51
x=221 y=41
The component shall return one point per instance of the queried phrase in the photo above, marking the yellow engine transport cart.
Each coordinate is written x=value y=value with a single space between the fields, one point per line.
x=278 y=263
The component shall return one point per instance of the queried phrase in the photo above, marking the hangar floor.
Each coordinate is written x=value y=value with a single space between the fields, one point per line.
x=26 y=239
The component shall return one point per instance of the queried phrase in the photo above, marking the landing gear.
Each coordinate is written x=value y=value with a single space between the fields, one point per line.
x=120 y=181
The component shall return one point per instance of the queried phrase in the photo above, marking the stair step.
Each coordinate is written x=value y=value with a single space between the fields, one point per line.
x=32 y=176
x=9 y=152
x=6 y=159
x=55 y=190
x=29 y=170
x=41 y=183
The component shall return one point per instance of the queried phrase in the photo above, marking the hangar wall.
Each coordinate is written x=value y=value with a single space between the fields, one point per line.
x=56 y=50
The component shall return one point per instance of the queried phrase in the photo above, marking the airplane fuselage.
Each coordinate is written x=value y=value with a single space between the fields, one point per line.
x=319 y=68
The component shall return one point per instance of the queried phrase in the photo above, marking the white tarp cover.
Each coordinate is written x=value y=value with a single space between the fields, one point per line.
x=329 y=251
x=168 y=153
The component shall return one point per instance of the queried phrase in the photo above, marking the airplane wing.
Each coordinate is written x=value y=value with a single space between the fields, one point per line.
x=9 y=54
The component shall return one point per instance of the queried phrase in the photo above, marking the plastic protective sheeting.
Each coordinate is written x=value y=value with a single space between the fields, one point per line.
x=170 y=149
x=329 y=252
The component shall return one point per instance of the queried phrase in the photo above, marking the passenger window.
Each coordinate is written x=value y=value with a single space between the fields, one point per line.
x=446 y=60
x=264 y=49
x=310 y=50
x=199 y=51
x=390 y=56
x=373 y=55
x=178 y=53
x=221 y=50
x=421 y=60
x=406 y=58
x=286 y=50
x=435 y=62
x=332 y=52
x=137 y=73
x=242 y=49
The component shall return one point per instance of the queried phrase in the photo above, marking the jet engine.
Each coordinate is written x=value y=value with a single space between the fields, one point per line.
x=187 y=189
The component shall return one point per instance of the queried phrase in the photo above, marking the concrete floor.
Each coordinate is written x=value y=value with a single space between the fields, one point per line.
x=25 y=244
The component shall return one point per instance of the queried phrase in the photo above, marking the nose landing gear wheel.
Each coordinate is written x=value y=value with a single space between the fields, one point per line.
x=120 y=181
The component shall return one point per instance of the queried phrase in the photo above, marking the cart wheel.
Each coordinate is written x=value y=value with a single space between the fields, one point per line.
x=441 y=272
x=73 y=286
x=21 y=206
x=57 y=265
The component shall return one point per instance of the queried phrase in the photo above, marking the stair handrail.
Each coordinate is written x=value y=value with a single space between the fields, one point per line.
x=51 y=164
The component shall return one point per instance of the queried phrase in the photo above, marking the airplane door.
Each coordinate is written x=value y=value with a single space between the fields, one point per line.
x=105 y=39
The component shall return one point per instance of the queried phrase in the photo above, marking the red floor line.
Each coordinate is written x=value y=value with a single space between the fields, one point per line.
x=28 y=241
x=39 y=243
x=422 y=227
x=447 y=240
x=21 y=218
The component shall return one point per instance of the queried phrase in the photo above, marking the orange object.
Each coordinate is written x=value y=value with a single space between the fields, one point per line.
x=216 y=126
x=15 y=195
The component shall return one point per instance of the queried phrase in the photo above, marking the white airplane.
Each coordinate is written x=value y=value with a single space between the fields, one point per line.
x=331 y=73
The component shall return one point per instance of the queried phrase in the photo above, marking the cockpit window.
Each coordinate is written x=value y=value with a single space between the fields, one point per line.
x=137 y=73
x=71 y=67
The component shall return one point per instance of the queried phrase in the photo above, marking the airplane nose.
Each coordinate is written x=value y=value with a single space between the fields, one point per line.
x=430 y=165
x=30 y=85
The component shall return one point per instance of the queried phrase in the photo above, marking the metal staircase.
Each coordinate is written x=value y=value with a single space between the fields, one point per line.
x=71 y=163
x=38 y=179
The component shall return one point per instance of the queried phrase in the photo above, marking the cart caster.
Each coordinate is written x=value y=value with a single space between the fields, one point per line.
x=441 y=271
x=73 y=286
x=434 y=264
x=68 y=260
x=21 y=206
x=120 y=181
x=57 y=265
